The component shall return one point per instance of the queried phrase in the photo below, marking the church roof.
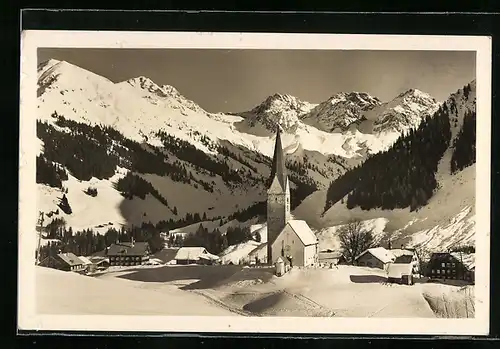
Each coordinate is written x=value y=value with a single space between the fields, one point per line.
x=303 y=231
x=278 y=168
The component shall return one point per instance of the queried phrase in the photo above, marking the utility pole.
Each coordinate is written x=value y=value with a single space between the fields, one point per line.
x=39 y=231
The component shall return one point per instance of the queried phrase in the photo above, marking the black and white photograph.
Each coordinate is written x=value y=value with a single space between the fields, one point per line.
x=222 y=182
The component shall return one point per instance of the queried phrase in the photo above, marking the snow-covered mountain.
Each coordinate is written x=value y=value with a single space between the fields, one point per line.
x=404 y=112
x=211 y=164
x=278 y=109
x=340 y=111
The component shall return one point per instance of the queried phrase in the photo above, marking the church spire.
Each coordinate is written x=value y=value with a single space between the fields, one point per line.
x=278 y=168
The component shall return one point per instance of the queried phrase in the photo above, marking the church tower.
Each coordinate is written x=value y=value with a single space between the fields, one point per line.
x=278 y=197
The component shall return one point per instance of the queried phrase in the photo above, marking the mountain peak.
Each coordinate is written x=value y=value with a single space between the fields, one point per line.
x=415 y=93
x=278 y=109
x=341 y=110
x=405 y=111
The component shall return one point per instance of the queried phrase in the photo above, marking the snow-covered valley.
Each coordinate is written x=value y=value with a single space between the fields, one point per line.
x=322 y=142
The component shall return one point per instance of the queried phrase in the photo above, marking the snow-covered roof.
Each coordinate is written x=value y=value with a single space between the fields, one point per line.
x=385 y=256
x=329 y=255
x=70 y=258
x=397 y=270
x=193 y=253
x=85 y=260
x=303 y=231
x=398 y=252
x=402 y=255
x=468 y=259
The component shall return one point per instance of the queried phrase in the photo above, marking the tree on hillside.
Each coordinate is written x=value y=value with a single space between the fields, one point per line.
x=55 y=229
x=354 y=239
x=423 y=255
x=156 y=243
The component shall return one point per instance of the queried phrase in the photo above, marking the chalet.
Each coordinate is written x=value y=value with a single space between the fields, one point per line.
x=195 y=255
x=452 y=265
x=64 y=261
x=297 y=243
x=128 y=253
x=377 y=257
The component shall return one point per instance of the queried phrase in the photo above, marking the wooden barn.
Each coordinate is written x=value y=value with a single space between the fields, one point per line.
x=64 y=261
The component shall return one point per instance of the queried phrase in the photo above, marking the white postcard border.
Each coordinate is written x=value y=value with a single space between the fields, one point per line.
x=28 y=319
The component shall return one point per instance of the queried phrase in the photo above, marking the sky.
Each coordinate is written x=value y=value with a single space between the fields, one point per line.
x=239 y=80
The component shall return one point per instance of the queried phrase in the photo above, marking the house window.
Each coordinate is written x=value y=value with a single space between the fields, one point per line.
x=453 y=265
x=448 y=271
x=443 y=265
x=433 y=271
x=443 y=271
x=448 y=265
x=438 y=271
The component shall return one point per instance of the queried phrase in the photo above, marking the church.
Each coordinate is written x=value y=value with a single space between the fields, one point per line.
x=288 y=238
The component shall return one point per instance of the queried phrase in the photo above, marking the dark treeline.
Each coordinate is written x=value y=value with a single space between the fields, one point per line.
x=133 y=185
x=49 y=173
x=464 y=145
x=404 y=175
x=214 y=241
x=188 y=152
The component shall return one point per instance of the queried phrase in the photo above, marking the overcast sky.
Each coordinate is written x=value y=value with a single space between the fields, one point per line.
x=238 y=80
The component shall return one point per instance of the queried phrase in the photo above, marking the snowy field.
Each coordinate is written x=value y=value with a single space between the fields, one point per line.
x=233 y=290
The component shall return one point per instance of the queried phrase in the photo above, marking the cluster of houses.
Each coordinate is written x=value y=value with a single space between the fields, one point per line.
x=70 y=262
x=401 y=264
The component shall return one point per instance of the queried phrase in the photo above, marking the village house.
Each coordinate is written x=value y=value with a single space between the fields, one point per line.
x=128 y=253
x=64 y=261
x=452 y=265
x=88 y=265
x=258 y=255
x=377 y=257
x=286 y=237
x=195 y=255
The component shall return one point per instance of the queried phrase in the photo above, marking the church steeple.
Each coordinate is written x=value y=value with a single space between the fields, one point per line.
x=278 y=199
x=278 y=168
